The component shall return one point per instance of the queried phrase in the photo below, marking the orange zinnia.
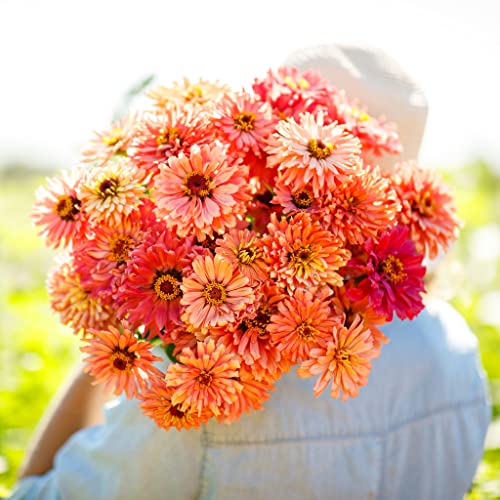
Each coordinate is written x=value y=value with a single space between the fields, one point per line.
x=345 y=361
x=119 y=360
x=204 y=379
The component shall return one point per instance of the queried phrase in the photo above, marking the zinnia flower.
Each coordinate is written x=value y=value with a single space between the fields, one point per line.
x=244 y=122
x=243 y=249
x=200 y=93
x=428 y=209
x=120 y=361
x=303 y=322
x=362 y=207
x=201 y=194
x=214 y=293
x=150 y=292
x=113 y=141
x=168 y=133
x=157 y=404
x=310 y=152
x=112 y=192
x=73 y=301
x=390 y=275
x=345 y=361
x=57 y=210
x=291 y=92
x=205 y=378
x=300 y=253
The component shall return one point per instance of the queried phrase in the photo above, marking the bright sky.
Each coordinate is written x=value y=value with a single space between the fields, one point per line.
x=64 y=65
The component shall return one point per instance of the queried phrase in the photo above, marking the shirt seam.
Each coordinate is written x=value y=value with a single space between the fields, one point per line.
x=347 y=437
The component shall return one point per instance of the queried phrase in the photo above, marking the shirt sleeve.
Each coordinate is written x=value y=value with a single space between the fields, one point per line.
x=126 y=457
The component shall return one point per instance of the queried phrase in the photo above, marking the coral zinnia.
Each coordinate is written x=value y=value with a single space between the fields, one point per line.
x=57 y=210
x=428 y=208
x=119 y=360
x=345 y=361
x=151 y=289
x=214 y=293
x=205 y=378
x=157 y=404
x=363 y=206
x=300 y=253
x=391 y=275
x=201 y=194
x=312 y=152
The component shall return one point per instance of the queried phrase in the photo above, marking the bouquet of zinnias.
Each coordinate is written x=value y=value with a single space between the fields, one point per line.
x=245 y=232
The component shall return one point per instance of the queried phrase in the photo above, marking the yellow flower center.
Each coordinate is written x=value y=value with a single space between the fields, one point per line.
x=302 y=83
x=196 y=184
x=244 y=121
x=120 y=248
x=167 y=287
x=393 y=268
x=167 y=136
x=108 y=187
x=204 y=378
x=215 y=294
x=302 y=199
x=306 y=331
x=342 y=356
x=425 y=206
x=122 y=361
x=114 y=137
x=361 y=116
x=67 y=207
x=247 y=253
x=319 y=150
x=193 y=92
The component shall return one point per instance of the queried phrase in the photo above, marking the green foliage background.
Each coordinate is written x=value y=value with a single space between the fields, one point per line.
x=36 y=352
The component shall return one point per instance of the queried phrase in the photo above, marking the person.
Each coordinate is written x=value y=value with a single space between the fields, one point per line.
x=415 y=431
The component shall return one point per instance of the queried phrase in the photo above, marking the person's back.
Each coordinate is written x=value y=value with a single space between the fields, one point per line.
x=415 y=431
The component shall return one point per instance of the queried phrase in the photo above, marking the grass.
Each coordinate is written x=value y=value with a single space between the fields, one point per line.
x=36 y=352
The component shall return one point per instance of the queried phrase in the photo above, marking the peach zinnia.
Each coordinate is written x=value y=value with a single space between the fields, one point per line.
x=310 y=152
x=119 y=360
x=57 y=210
x=214 y=293
x=204 y=379
x=112 y=192
x=345 y=361
x=243 y=249
x=201 y=194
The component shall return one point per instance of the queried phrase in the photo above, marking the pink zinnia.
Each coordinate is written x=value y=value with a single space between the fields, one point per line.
x=345 y=361
x=390 y=275
x=168 y=133
x=202 y=193
x=244 y=122
x=310 y=152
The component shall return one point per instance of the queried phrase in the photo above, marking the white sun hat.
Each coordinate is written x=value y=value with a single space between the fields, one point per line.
x=378 y=82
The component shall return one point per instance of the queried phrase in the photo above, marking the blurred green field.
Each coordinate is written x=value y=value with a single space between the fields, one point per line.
x=36 y=352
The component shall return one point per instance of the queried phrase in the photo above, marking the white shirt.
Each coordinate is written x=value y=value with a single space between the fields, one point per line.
x=416 y=431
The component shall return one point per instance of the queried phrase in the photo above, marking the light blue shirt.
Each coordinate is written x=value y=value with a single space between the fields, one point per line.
x=416 y=431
